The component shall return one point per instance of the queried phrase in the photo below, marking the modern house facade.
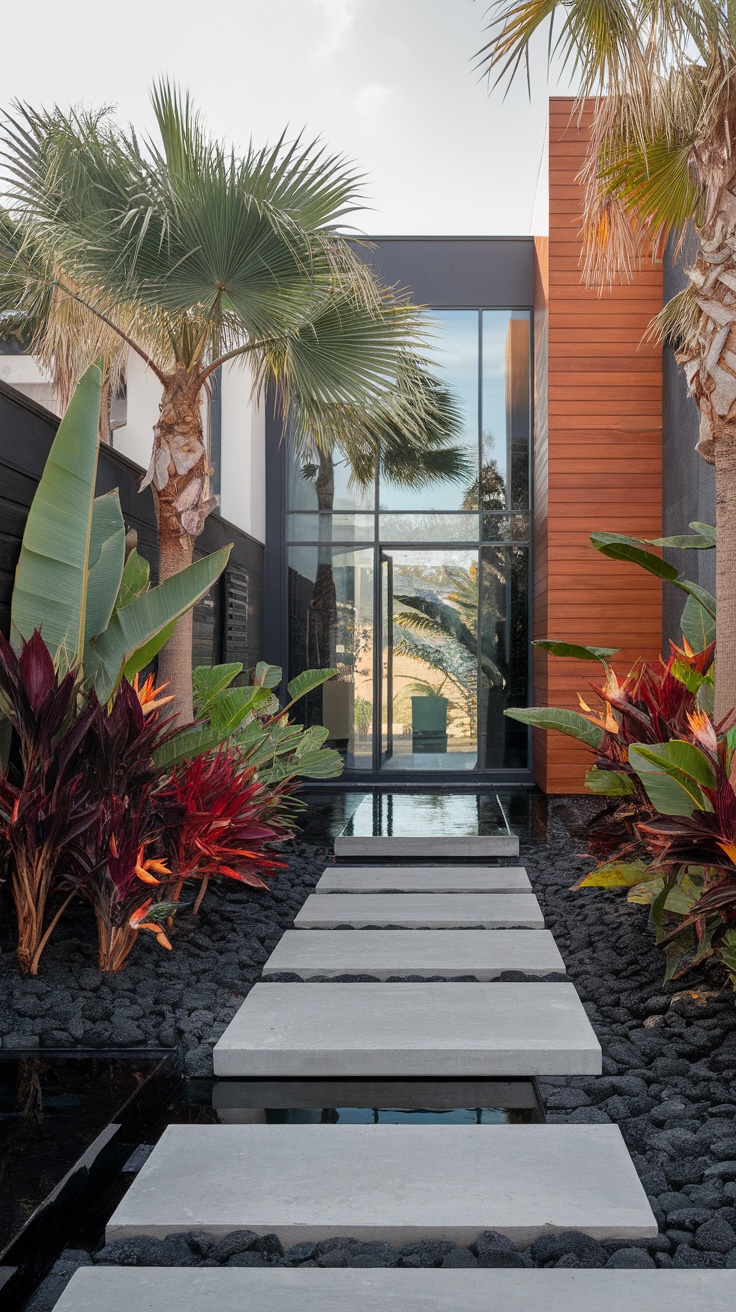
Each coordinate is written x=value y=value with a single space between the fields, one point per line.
x=426 y=601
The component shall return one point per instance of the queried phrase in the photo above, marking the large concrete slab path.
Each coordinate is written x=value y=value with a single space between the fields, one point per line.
x=398 y=1183
x=456 y=846
x=409 y=1029
x=421 y=911
x=389 y=952
x=278 y=1289
x=424 y=879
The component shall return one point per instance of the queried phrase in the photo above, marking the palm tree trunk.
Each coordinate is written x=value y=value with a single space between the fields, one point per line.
x=725 y=459
x=322 y=634
x=180 y=477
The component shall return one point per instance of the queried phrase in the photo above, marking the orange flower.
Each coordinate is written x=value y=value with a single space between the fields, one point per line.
x=143 y=868
x=149 y=696
x=702 y=728
x=730 y=850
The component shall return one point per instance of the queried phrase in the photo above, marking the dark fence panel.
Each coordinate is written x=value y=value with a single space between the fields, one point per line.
x=228 y=623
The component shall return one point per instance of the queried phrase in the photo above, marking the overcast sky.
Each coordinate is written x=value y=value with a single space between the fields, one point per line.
x=388 y=82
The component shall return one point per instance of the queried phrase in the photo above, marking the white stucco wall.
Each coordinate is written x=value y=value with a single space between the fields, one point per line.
x=243 y=476
x=135 y=438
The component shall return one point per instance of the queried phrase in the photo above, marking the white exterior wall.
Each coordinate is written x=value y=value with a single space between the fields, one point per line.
x=135 y=438
x=243 y=474
x=21 y=371
x=243 y=437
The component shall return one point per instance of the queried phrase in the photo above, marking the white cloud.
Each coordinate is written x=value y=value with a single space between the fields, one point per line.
x=371 y=98
x=338 y=17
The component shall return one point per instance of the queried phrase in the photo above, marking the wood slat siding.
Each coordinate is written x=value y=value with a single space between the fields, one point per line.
x=597 y=456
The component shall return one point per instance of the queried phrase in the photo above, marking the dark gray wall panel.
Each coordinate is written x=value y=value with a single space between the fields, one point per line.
x=458 y=271
x=688 y=483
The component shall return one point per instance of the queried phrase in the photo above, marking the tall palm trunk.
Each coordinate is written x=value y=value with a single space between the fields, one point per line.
x=180 y=476
x=710 y=368
x=725 y=453
x=322 y=634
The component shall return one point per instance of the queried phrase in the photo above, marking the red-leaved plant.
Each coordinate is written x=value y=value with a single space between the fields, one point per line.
x=217 y=819
x=45 y=807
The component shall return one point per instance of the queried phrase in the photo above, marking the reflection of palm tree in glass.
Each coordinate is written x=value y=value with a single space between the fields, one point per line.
x=489 y=491
x=444 y=633
x=404 y=460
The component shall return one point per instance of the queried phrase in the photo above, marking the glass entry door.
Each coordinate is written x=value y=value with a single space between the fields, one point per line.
x=429 y=659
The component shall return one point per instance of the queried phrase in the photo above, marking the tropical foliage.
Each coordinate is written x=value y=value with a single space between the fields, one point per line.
x=662 y=86
x=250 y=718
x=95 y=609
x=88 y=809
x=668 y=833
x=192 y=255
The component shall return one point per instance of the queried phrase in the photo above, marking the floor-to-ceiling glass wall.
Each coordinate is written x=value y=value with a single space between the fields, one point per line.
x=419 y=598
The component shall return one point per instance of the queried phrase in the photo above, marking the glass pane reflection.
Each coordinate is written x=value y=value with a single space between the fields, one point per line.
x=331 y=626
x=504 y=655
x=454 y=352
x=429 y=528
x=506 y=410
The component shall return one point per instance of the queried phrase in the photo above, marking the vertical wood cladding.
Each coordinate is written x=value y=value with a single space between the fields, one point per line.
x=597 y=455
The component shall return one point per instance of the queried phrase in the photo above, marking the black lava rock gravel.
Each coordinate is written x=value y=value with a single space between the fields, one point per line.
x=163 y=999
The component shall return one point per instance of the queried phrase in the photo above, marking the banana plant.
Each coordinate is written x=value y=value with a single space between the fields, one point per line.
x=250 y=717
x=95 y=609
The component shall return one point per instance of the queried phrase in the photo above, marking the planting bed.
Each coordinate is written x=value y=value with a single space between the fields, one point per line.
x=669 y=1057
x=164 y=999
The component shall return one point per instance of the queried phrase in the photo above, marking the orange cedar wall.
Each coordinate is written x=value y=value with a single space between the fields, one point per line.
x=597 y=456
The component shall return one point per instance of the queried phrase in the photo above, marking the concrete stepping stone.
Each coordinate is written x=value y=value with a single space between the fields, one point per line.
x=397 y=1183
x=380 y=846
x=424 y=879
x=421 y=911
x=409 y=1029
x=280 y=1289
x=426 y=952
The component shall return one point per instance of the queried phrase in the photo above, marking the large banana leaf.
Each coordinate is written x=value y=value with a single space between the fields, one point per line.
x=134 y=582
x=698 y=626
x=574 y=651
x=136 y=624
x=105 y=562
x=50 y=590
x=551 y=717
x=619 y=547
x=143 y=656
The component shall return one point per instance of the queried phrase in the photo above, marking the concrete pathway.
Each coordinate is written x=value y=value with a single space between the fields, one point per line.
x=409 y=1029
x=398 y=1183
x=243 y=1289
x=424 y=879
x=480 y=953
x=421 y=911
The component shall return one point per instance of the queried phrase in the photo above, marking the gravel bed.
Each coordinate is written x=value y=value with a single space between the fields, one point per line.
x=185 y=997
x=669 y=1062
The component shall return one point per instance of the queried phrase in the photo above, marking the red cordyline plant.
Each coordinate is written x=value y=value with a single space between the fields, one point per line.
x=217 y=819
x=123 y=844
x=45 y=807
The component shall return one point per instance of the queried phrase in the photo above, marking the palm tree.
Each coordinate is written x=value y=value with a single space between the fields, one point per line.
x=662 y=157
x=189 y=254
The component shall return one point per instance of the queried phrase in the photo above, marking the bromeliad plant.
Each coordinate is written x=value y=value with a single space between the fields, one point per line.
x=217 y=819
